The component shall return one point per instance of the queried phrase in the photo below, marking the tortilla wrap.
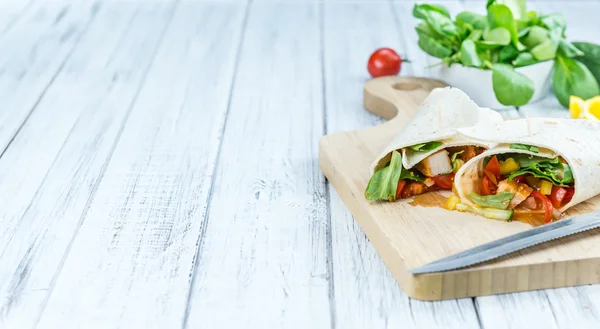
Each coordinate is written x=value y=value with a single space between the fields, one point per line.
x=437 y=118
x=576 y=141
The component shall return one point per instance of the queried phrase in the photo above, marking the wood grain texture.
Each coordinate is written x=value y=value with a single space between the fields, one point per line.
x=94 y=93
x=130 y=264
x=11 y=12
x=24 y=165
x=366 y=293
x=263 y=259
x=573 y=307
x=40 y=38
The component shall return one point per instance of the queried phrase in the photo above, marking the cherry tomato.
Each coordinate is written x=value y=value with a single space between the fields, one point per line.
x=444 y=181
x=384 y=61
x=557 y=195
x=547 y=205
x=401 y=184
x=487 y=187
x=494 y=167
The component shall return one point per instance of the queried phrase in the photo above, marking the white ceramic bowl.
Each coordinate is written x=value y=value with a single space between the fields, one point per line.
x=477 y=83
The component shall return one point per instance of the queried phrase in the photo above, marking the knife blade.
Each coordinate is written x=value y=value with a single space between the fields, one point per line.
x=512 y=243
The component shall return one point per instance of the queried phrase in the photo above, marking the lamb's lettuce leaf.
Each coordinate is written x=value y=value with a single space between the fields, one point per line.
x=426 y=147
x=554 y=170
x=384 y=182
x=531 y=148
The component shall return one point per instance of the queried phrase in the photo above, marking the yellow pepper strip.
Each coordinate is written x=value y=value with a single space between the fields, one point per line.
x=452 y=201
x=546 y=187
x=509 y=166
x=459 y=163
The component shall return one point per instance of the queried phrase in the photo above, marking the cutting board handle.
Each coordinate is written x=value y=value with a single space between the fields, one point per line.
x=396 y=98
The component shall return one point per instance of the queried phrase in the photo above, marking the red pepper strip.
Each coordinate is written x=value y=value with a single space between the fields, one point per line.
x=569 y=195
x=493 y=166
x=487 y=187
x=547 y=205
x=491 y=176
x=401 y=184
x=444 y=181
x=557 y=195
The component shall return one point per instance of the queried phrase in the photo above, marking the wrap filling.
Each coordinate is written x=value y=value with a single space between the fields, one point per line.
x=436 y=172
x=517 y=186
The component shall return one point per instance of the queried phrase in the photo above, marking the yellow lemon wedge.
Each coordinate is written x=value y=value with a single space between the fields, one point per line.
x=593 y=106
x=576 y=106
x=585 y=109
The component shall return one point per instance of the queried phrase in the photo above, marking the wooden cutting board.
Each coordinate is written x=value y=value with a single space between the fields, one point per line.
x=414 y=232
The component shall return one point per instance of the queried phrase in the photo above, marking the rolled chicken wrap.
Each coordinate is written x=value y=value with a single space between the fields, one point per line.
x=426 y=153
x=539 y=168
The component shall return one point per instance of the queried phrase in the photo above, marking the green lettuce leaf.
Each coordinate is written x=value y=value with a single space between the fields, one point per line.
x=469 y=56
x=571 y=77
x=453 y=159
x=384 y=182
x=510 y=86
x=591 y=57
x=524 y=59
x=420 y=10
x=507 y=54
x=425 y=147
x=526 y=160
x=438 y=19
x=472 y=19
x=497 y=201
x=530 y=148
x=550 y=169
x=499 y=15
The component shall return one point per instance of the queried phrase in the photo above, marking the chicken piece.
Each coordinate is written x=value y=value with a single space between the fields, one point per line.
x=413 y=188
x=436 y=164
x=468 y=154
x=520 y=190
x=530 y=203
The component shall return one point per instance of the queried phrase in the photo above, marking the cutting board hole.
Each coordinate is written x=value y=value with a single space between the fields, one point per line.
x=406 y=86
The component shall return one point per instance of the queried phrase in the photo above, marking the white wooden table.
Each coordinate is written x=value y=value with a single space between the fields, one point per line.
x=159 y=168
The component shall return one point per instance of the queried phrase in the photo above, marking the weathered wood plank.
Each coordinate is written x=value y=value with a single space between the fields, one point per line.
x=35 y=150
x=366 y=294
x=88 y=104
x=10 y=12
x=39 y=42
x=262 y=261
x=521 y=310
x=130 y=264
x=23 y=166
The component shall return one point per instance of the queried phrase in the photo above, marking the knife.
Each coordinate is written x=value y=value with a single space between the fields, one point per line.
x=512 y=243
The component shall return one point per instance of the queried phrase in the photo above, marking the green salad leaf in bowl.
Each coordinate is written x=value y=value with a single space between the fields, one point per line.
x=509 y=37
